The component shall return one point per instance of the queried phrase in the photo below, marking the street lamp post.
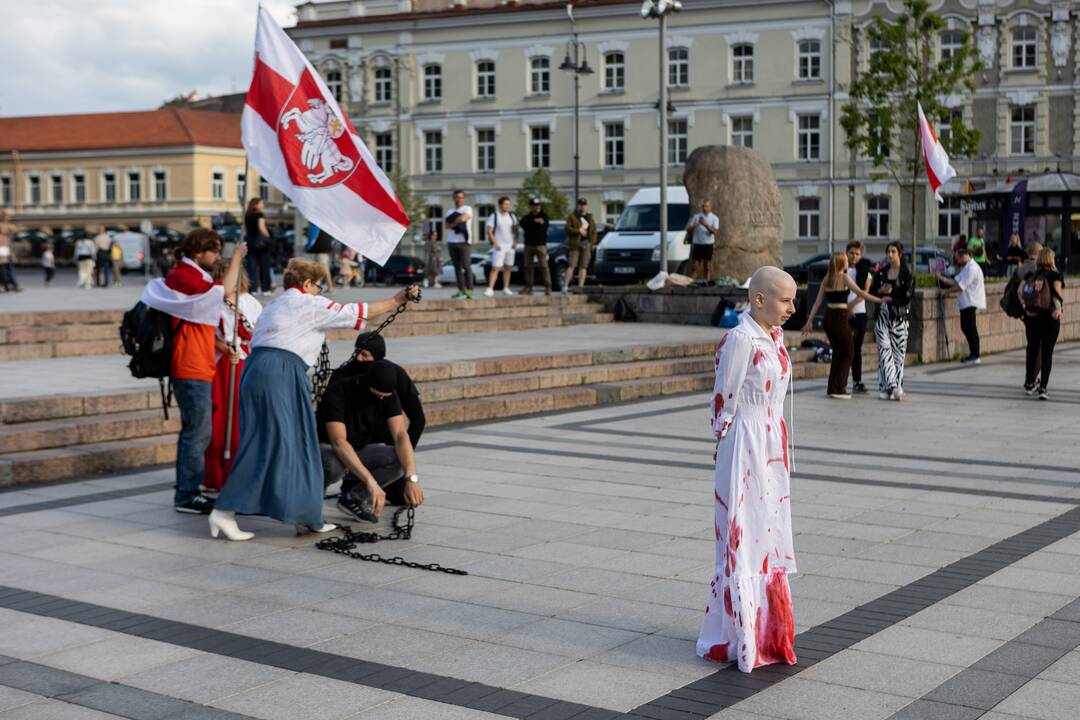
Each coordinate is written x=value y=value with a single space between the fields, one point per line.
x=661 y=9
x=579 y=68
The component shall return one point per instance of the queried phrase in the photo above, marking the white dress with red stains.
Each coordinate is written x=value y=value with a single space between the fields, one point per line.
x=749 y=614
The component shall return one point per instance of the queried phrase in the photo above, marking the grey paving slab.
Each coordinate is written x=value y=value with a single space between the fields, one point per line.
x=1065 y=670
x=55 y=710
x=12 y=698
x=1043 y=699
x=881 y=673
x=980 y=689
x=801 y=699
x=408 y=708
x=27 y=637
x=127 y=702
x=929 y=645
x=593 y=683
x=205 y=678
x=116 y=657
x=932 y=710
x=491 y=664
x=303 y=696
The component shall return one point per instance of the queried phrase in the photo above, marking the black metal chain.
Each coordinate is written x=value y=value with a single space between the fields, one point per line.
x=346 y=544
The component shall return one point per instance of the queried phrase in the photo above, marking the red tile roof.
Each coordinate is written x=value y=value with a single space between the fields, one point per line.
x=166 y=127
x=455 y=12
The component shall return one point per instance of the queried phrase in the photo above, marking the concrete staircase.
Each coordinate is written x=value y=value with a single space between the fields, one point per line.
x=33 y=336
x=64 y=436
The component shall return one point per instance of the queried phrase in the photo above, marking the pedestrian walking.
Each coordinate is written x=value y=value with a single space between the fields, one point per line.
x=217 y=466
x=278 y=470
x=433 y=258
x=702 y=227
x=48 y=263
x=190 y=295
x=896 y=282
x=535 y=225
x=102 y=258
x=84 y=262
x=7 y=253
x=834 y=292
x=860 y=269
x=260 y=246
x=459 y=243
x=501 y=228
x=749 y=617
x=1040 y=293
x=116 y=257
x=968 y=283
x=580 y=240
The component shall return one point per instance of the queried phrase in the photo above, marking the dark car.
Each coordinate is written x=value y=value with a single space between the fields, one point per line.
x=813 y=267
x=557 y=257
x=28 y=244
x=398 y=270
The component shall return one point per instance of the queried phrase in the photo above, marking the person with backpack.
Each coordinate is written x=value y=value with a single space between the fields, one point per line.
x=278 y=469
x=501 y=228
x=971 y=290
x=193 y=300
x=1040 y=292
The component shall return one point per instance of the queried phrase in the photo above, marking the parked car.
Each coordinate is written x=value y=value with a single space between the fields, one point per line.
x=399 y=269
x=134 y=246
x=557 y=258
x=631 y=251
x=27 y=246
x=925 y=255
x=479 y=265
x=802 y=271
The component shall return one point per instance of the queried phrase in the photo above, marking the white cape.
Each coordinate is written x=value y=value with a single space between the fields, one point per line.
x=204 y=309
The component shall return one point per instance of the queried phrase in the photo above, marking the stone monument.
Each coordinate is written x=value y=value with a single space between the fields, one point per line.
x=746 y=199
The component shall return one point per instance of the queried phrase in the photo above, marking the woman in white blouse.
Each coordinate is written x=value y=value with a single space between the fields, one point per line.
x=278 y=471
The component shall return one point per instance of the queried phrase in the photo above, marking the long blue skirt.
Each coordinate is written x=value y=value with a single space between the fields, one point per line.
x=277 y=471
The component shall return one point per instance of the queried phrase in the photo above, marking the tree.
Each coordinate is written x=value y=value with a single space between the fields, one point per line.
x=881 y=119
x=539 y=185
x=414 y=206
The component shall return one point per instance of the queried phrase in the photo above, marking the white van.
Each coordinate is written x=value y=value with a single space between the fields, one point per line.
x=631 y=252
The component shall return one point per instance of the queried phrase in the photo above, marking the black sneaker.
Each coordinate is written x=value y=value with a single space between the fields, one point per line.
x=198 y=505
x=858 y=388
x=1029 y=389
x=359 y=506
x=1042 y=394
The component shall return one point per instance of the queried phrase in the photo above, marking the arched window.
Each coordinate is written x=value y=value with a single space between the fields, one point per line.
x=384 y=84
x=333 y=82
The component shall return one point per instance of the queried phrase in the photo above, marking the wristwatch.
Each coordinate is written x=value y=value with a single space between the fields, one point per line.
x=412 y=478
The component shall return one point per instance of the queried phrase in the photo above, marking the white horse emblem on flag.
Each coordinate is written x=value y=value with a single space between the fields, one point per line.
x=318 y=128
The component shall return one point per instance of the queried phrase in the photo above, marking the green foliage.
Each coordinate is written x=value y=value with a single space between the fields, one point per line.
x=414 y=206
x=539 y=184
x=907 y=68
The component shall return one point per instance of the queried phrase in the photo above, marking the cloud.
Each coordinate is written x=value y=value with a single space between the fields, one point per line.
x=74 y=56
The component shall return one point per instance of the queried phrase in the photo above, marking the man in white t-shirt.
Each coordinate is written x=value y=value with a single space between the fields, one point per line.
x=972 y=298
x=501 y=228
x=458 y=242
x=702 y=228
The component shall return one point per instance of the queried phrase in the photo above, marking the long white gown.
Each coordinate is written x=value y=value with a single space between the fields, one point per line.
x=749 y=616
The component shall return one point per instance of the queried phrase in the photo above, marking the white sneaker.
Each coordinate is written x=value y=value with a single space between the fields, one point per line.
x=840 y=396
x=425 y=282
x=508 y=291
x=883 y=395
x=437 y=284
x=897 y=394
x=489 y=293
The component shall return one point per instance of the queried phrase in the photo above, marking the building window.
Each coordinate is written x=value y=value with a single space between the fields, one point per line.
x=951 y=42
x=5 y=191
x=875 y=46
x=384 y=85
x=612 y=211
x=954 y=116
x=948 y=218
x=433 y=82
x=614 y=72
x=1022 y=130
x=134 y=183
x=485 y=150
x=742 y=64
x=434 y=218
x=109 y=181
x=433 y=151
x=339 y=43
x=809 y=137
x=539 y=147
x=877 y=216
x=809 y=59
x=881 y=143
x=56 y=183
x=35 y=189
x=677 y=142
x=217 y=185
x=1025 y=48
x=241 y=187
x=78 y=188
x=334 y=84
x=679 y=67
x=614 y=144
x=483 y=212
x=161 y=190
x=809 y=212
x=384 y=151
x=264 y=189
x=485 y=79
x=540 y=75
x=742 y=131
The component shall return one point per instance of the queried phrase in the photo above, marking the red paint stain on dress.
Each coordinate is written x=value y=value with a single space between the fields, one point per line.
x=776 y=630
x=784 y=439
x=765 y=565
x=728 y=607
x=758 y=355
x=768 y=387
x=719 y=500
x=718 y=653
x=718 y=405
x=734 y=540
x=781 y=352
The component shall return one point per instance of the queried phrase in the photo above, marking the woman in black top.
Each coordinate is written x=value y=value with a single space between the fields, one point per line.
x=259 y=246
x=1042 y=325
x=834 y=293
x=895 y=281
x=1014 y=255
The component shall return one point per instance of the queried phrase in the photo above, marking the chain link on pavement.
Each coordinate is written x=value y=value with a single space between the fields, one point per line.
x=346 y=544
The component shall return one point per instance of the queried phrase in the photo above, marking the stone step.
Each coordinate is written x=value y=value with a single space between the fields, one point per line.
x=85 y=430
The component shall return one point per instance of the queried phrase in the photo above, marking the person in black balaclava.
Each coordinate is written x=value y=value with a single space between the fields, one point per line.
x=370 y=348
x=364 y=443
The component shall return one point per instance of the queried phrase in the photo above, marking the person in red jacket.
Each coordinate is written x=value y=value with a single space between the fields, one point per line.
x=190 y=295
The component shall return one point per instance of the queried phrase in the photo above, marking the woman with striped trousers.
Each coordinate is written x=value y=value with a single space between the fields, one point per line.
x=895 y=281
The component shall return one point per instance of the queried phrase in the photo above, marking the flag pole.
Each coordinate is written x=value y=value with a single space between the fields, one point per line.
x=234 y=359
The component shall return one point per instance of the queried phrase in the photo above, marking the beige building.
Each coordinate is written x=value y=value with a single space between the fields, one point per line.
x=174 y=167
x=468 y=93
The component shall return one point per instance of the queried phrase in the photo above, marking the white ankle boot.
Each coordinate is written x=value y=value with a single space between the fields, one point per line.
x=302 y=529
x=224 y=521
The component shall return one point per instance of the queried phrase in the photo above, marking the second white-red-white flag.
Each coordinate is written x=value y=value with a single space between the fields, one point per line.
x=297 y=137
x=938 y=168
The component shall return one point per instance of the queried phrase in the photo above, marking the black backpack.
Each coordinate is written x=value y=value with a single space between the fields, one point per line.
x=147 y=336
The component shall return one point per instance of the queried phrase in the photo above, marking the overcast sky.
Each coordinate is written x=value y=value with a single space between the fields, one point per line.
x=77 y=56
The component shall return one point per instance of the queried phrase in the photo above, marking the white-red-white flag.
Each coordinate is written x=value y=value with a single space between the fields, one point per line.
x=938 y=169
x=297 y=137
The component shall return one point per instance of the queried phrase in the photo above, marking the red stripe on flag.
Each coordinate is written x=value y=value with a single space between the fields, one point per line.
x=268 y=93
x=364 y=184
x=934 y=182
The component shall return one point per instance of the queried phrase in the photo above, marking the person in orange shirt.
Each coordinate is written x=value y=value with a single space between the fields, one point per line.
x=194 y=301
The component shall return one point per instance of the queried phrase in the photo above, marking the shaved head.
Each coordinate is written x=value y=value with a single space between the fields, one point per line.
x=768 y=279
x=772 y=296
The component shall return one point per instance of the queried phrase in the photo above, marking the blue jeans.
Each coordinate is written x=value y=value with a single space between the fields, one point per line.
x=196 y=408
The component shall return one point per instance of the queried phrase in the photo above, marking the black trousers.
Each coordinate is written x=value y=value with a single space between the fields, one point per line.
x=838 y=331
x=461 y=254
x=380 y=460
x=970 y=330
x=1042 y=334
x=858 y=333
x=258 y=269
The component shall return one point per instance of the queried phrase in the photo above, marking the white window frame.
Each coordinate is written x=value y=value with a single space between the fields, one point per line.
x=615 y=71
x=241 y=189
x=950 y=213
x=808 y=53
x=614 y=144
x=7 y=190
x=335 y=83
x=56 y=188
x=742 y=64
x=679 y=66
x=136 y=175
x=433 y=151
x=539 y=75
x=742 y=134
x=1022 y=132
x=612 y=210
x=163 y=186
x=434 y=219
x=808 y=218
x=78 y=182
x=383 y=84
x=217 y=184
x=805 y=136
x=33 y=180
x=539 y=148
x=1024 y=42
x=945 y=126
x=484 y=72
x=951 y=41
x=105 y=186
x=433 y=78
x=264 y=189
x=485 y=149
x=678 y=143
x=875 y=214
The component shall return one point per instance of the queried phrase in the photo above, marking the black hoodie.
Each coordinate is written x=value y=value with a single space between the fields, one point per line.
x=406 y=391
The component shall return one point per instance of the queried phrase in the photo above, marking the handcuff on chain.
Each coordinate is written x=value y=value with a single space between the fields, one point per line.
x=346 y=544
